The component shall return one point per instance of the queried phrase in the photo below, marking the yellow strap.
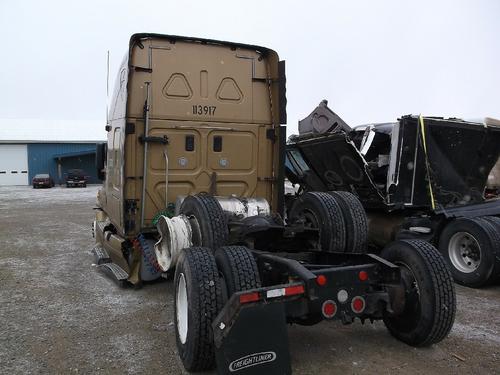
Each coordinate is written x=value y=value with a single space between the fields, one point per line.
x=422 y=128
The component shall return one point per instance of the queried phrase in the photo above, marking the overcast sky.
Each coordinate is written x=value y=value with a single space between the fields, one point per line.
x=373 y=60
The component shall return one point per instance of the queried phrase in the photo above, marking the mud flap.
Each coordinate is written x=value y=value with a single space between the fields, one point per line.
x=252 y=339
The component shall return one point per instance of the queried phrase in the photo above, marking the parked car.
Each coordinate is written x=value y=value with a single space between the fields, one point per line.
x=419 y=178
x=76 y=177
x=42 y=180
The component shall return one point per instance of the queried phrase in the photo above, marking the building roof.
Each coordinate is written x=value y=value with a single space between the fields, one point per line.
x=74 y=154
x=35 y=131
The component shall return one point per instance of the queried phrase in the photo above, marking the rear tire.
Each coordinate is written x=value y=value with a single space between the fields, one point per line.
x=207 y=219
x=471 y=248
x=198 y=300
x=430 y=301
x=494 y=220
x=356 y=223
x=321 y=210
x=238 y=268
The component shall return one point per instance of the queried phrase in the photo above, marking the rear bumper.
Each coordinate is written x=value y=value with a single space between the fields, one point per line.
x=371 y=279
x=42 y=184
x=359 y=275
x=250 y=331
x=76 y=182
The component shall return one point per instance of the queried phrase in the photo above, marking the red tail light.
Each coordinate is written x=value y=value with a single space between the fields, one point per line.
x=358 y=304
x=329 y=309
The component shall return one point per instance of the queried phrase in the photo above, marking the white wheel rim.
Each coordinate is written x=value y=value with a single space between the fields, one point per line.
x=182 y=309
x=464 y=252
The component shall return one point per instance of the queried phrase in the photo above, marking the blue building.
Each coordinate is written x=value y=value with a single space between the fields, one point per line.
x=30 y=147
x=57 y=158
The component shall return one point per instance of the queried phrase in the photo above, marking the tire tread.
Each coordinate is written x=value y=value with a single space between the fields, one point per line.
x=332 y=222
x=444 y=293
x=355 y=221
x=205 y=276
x=242 y=265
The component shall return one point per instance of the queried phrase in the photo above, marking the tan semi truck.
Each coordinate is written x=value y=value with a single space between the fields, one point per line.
x=194 y=177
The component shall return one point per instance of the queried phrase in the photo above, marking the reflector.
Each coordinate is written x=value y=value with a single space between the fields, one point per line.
x=249 y=297
x=321 y=280
x=294 y=290
x=363 y=275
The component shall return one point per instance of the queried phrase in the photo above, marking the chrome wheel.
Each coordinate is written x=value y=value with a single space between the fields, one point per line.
x=464 y=252
x=182 y=309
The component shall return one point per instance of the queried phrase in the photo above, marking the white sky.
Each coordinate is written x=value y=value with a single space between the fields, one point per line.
x=373 y=60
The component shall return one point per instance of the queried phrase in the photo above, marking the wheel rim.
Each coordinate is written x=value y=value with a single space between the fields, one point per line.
x=464 y=252
x=182 y=309
x=412 y=312
x=310 y=219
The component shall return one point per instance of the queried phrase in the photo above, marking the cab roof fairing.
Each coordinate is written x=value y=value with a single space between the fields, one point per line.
x=118 y=109
x=120 y=91
x=135 y=38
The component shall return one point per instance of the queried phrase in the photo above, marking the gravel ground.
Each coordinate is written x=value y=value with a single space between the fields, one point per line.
x=59 y=314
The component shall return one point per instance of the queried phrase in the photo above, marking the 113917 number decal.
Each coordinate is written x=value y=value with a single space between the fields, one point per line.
x=208 y=110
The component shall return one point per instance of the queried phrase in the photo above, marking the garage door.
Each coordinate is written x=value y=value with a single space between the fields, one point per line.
x=13 y=165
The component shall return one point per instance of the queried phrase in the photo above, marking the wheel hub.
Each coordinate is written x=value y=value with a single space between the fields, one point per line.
x=182 y=309
x=464 y=252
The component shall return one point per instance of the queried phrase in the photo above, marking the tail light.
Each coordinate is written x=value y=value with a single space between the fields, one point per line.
x=329 y=309
x=358 y=304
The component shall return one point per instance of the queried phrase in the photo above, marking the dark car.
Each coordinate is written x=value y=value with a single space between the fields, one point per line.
x=42 y=180
x=76 y=177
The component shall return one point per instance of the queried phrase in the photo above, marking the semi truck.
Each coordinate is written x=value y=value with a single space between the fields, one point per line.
x=421 y=177
x=194 y=171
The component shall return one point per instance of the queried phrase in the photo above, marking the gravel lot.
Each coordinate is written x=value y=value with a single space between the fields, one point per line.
x=59 y=314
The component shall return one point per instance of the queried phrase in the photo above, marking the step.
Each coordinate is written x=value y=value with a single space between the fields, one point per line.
x=115 y=271
x=101 y=255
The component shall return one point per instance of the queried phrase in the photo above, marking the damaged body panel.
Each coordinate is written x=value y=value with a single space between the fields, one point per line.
x=415 y=178
x=417 y=164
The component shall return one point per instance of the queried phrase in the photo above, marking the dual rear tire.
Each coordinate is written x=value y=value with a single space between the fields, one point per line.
x=339 y=217
x=203 y=284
